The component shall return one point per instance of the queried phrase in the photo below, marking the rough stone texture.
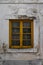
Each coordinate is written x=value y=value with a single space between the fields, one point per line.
x=21 y=1
x=17 y=1
x=22 y=62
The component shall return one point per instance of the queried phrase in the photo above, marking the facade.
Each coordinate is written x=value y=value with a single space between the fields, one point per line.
x=20 y=10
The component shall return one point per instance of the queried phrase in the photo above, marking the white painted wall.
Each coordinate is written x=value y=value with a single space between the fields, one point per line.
x=11 y=11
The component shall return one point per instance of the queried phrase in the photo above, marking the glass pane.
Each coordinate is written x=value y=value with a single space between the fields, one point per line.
x=15 y=36
x=26 y=36
x=27 y=43
x=26 y=30
x=16 y=43
x=15 y=24
x=15 y=30
x=26 y=24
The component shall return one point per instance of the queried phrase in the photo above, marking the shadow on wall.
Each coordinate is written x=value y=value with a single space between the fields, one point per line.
x=22 y=62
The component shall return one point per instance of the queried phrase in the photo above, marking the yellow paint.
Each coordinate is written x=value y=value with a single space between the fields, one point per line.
x=21 y=33
x=21 y=36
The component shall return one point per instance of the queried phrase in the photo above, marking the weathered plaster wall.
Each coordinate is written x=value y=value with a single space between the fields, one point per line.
x=12 y=11
x=21 y=1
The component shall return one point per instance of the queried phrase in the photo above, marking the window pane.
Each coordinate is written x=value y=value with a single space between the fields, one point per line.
x=27 y=43
x=15 y=36
x=26 y=30
x=15 y=30
x=16 y=43
x=26 y=24
x=26 y=36
x=15 y=24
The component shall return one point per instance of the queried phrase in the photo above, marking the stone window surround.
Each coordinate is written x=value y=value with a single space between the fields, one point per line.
x=33 y=50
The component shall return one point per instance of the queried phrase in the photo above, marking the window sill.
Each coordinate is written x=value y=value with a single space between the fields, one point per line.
x=22 y=50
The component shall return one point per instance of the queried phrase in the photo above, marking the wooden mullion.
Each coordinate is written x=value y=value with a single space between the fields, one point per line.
x=21 y=36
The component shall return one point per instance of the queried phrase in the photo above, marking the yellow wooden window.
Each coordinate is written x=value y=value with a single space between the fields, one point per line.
x=21 y=33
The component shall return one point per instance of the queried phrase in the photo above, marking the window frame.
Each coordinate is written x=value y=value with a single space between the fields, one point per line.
x=21 y=31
